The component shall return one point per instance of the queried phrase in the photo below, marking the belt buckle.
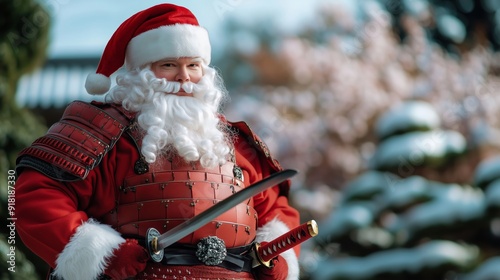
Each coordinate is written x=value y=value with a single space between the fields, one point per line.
x=211 y=250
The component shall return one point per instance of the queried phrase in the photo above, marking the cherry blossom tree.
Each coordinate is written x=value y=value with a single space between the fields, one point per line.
x=316 y=99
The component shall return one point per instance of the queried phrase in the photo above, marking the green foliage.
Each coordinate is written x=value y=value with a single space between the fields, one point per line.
x=24 y=29
x=23 y=269
x=454 y=25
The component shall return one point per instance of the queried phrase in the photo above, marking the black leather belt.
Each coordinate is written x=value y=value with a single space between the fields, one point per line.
x=236 y=259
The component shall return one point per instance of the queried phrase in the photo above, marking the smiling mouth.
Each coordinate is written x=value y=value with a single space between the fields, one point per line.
x=182 y=93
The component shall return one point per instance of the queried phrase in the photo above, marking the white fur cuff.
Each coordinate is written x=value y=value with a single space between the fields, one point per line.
x=84 y=257
x=272 y=230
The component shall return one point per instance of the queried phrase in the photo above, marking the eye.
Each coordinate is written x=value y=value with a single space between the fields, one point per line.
x=194 y=65
x=168 y=64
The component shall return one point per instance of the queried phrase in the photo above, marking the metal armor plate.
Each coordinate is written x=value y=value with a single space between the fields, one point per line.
x=173 y=191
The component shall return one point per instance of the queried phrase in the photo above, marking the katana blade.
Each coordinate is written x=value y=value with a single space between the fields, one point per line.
x=155 y=242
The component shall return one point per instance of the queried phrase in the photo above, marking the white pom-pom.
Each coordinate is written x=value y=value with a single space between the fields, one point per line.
x=97 y=84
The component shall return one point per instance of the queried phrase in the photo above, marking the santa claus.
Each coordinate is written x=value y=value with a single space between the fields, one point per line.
x=155 y=154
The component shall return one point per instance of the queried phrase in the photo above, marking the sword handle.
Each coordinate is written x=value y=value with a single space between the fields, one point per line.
x=268 y=251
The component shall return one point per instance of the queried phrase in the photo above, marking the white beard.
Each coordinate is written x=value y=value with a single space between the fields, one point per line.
x=189 y=125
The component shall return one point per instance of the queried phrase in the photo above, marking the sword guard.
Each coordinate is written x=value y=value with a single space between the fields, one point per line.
x=152 y=245
x=257 y=259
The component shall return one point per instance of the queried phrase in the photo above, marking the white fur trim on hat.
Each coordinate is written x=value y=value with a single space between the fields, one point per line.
x=97 y=84
x=170 y=41
x=84 y=257
x=273 y=229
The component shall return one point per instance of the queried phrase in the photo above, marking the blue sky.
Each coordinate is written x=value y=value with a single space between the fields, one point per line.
x=83 y=27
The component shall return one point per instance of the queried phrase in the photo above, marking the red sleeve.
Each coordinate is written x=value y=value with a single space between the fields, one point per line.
x=47 y=215
x=272 y=203
x=49 y=212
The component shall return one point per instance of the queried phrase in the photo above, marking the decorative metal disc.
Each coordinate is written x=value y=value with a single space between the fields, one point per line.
x=211 y=250
x=238 y=173
x=152 y=245
x=141 y=167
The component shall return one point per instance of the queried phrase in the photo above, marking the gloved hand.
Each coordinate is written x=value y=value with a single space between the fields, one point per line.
x=128 y=260
x=277 y=271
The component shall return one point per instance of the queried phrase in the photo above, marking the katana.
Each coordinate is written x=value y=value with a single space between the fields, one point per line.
x=155 y=243
x=262 y=254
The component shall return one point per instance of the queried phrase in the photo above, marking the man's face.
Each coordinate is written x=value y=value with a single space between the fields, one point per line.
x=183 y=69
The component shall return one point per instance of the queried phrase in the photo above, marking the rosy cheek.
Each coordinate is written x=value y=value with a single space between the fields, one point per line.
x=197 y=77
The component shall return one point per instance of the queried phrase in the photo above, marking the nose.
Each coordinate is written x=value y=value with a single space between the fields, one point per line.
x=182 y=75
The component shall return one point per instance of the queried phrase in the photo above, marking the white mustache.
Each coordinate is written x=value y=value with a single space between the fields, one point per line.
x=188 y=87
x=175 y=87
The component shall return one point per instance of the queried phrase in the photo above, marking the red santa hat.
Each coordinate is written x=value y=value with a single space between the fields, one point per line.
x=162 y=31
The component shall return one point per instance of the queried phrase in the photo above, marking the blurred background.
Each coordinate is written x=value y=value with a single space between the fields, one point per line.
x=388 y=109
